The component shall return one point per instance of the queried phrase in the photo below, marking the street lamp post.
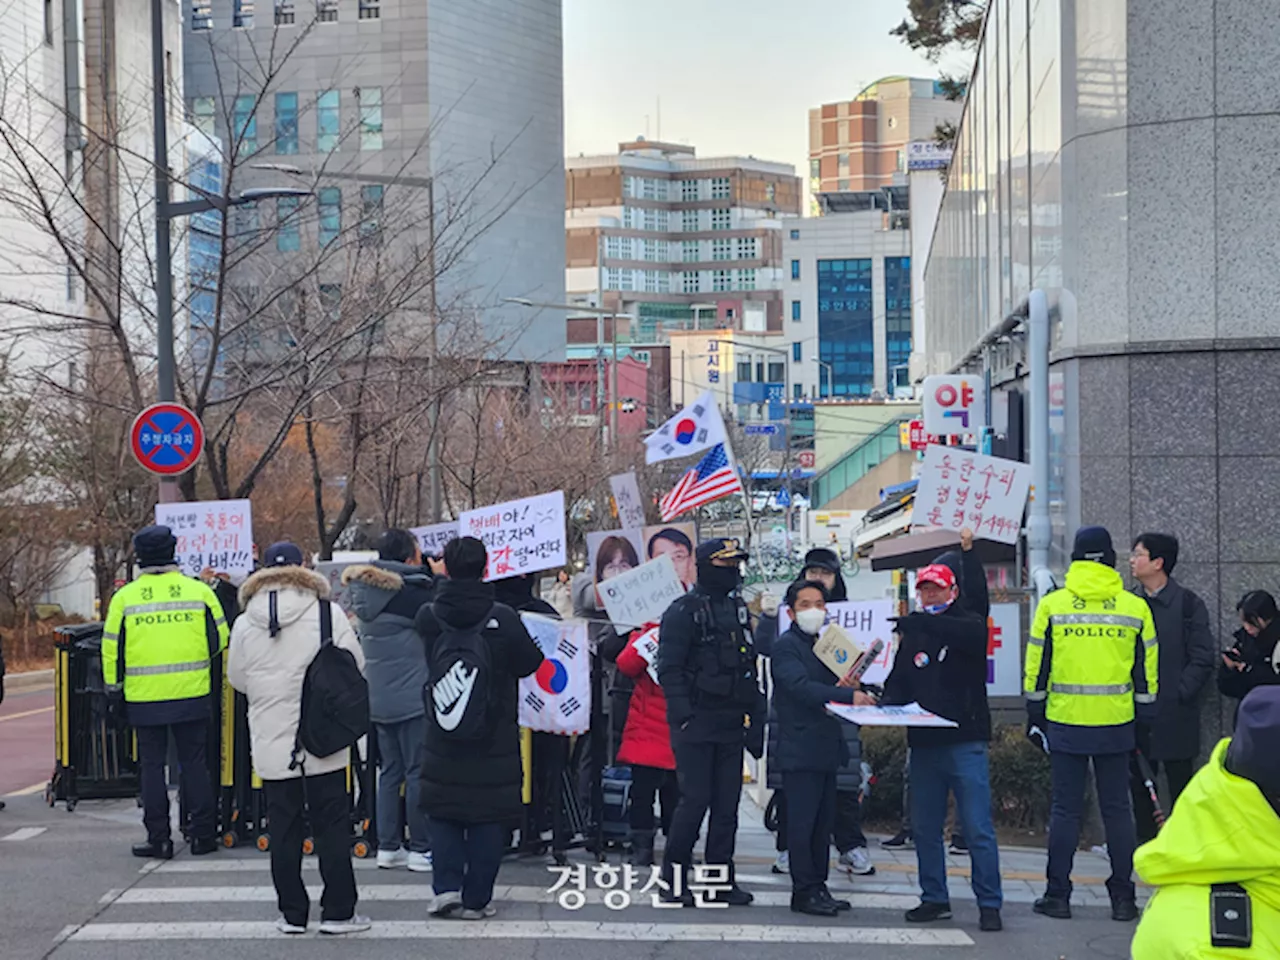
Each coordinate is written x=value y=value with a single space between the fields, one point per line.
x=831 y=376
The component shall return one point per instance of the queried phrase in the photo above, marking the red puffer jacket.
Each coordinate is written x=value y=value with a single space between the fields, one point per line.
x=646 y=740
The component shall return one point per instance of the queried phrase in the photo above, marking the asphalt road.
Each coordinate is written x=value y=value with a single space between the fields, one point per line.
x=26 y=739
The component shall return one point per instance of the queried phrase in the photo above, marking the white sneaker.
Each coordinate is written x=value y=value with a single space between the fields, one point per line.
x=420 y=862
x=857 y=861
x=445 y=904
x=391 y=859
x=783 y=863
x=284 y=926
x=355 y=924
x=488 y=911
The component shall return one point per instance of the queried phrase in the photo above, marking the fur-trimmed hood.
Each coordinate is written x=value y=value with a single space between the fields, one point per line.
x=372 y=576
x=385 y=586
x=284 y=578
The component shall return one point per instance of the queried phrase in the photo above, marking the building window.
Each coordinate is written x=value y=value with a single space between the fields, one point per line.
x=48 y=23
x=795 y=269
x=797 y=390
x=846 y=325
x=721 y=249
x=202 y=115
x=284 y=13
x=327 y=122
x=612 y=278
x=688 y=190
x=655 y=281
x=246 y=124
x=842 y=184
x=795 y=234
x=744 y=371
x=329 y=207
x=202 y=15
x=691 y=282
x=629 y=187
x=371 y=196
x=815 y=169
x=795 y=311
x=897 y=316
x=288 y=236
x=689 y=221
x=286 y=123
x=842 y=163
x=690 y=251
x=243 y=14
x=720 y=188
x=746 y=248
x=721 y=219
x=655 y=220
x=626 y=280
x=721 y=281
x=327 y=11
x=331 y=300
x=370 y=9
x=370 y=99
x=651 y=189
x=746 y=279
x=244 y=222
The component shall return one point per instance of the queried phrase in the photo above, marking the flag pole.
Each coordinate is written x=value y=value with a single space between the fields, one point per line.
x=733 y=462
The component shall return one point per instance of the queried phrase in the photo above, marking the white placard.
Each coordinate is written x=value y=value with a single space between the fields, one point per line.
x=557 y=698
x=332 y=571
x=626 y=496
x=866 y=622
x=522 y=536
x=959 y=489
x=911 y=715
x=1004 y=650
x=954 y=405
x=647 y=646
x=642 y=595
x=432 y=538
x=211 y=533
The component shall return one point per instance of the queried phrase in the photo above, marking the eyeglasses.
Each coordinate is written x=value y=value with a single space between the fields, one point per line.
x=1139 y=556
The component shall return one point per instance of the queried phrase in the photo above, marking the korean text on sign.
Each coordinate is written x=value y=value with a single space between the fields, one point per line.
x=641 y=595
x=707 y=883
x=432 y=539
x=217 y=534
x=522 y=536
x=959 y=489
x=626 y=496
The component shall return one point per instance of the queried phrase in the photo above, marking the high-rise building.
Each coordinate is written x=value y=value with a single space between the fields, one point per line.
x=678 y=241
x=460 y=101
x=861 y=144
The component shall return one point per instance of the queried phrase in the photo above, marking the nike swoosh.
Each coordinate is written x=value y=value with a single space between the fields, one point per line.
x=451 y=716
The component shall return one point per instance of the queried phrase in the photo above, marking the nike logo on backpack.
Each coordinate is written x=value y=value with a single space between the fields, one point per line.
x=451 y=694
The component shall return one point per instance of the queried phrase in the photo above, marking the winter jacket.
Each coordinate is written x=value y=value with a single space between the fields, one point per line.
x=1187 y=651
x=561 y=597
x=647 y=738
x=269 y=670
x=941 y=663
x=1261 y=656
x=1222 y=830
x=385 y=597
x=460 y=780
x=809 y=738
x=972 y=579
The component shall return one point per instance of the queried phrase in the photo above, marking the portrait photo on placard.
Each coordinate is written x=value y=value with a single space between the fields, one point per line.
x=676 y=540
x=611 y=552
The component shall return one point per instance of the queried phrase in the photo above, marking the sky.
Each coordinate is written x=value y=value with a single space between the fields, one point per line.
x=735 y=77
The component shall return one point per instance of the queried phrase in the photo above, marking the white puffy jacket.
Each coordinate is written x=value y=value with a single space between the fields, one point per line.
x=269 y=670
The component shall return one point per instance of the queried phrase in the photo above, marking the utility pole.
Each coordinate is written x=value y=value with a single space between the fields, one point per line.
x=165 y=388
x=433 y=381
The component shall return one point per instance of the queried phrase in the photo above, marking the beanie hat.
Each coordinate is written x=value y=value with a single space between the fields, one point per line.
x=823 y=559
x=1254 y=752
x=155 y=546
x=1094 y=543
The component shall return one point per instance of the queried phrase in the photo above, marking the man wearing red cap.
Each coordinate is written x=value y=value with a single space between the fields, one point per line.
x=941 y=664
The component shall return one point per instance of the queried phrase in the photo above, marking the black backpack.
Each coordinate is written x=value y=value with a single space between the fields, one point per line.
x=335 y=699
x=457 y=694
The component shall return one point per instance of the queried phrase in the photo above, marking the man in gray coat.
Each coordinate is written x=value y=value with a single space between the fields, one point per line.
x=386 y=596
x=1187 y=653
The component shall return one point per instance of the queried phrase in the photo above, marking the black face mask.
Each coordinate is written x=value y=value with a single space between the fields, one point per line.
x=719 y=581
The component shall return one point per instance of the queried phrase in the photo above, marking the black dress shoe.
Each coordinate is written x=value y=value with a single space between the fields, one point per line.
x=1053 y=907
x=1124 y=910
x=203 y=846
x=154 y=850
x=815 y=905
x=840 y=905
x=989 y=920
x=735 y=896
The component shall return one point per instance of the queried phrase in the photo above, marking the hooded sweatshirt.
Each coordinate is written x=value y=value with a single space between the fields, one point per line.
x=268 y=659
x=1222 y=831
x=974 y=595
x=385 y=597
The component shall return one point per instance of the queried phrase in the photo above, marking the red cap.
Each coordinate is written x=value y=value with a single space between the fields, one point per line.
x=938 y=573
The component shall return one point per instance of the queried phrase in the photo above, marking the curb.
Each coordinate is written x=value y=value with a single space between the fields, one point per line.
x=34 y=680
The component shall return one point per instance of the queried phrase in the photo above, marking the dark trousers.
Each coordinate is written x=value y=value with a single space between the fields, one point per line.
x=466 y=858
x=550 y=761
x=649 y=784
x=1111 y=774
x=846 y=834
x=811 y=816
x=321 y=804
x=191 y=739
x=710 y=778
x=1177 y=772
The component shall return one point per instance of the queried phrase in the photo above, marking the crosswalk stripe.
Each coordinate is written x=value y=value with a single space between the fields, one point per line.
x=26 y=833
x=537 y=930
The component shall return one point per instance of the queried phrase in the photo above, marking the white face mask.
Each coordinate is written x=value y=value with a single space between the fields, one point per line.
x=811 y=620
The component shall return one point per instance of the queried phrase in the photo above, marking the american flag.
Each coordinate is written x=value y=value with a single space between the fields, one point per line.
x=713 y=478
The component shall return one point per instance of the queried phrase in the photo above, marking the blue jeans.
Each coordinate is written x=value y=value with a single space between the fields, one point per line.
x=962 y=769
x=400 y=754
x=466 y=858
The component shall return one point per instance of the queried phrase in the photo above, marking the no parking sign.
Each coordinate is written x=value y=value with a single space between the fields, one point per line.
x=167 y=439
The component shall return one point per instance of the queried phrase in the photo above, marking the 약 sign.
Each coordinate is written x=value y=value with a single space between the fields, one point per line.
x=954 y=405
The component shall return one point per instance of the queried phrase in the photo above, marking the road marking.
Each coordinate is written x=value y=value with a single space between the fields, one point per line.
x=26 y=833
x=537 y=930
x=25 y=713
x=28 y=791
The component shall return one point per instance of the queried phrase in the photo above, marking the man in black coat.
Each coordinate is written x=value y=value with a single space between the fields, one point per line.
x=1186 y=664
x=470 y=788
x=707 y=669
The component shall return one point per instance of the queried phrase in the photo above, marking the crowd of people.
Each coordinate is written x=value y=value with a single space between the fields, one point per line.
x=1113 y=682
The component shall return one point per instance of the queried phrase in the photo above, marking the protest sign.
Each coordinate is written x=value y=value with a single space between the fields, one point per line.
x=959 y=489
x=910 y=715
x=611 y=552
x=522 y=536
x=642 y=595
x=647 y=646
x=432 y=538
x=865 y=622
x=557 y=698
x=626 y=497
x=677 y=540
x=332 y=571
x=213 y=533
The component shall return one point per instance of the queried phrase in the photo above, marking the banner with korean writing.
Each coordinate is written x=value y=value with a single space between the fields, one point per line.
x=522 y=536
x=557 y=697
x=1004 y=650
x=866 y=621
x=959 y=489
x=626 y=497
x=642 y=595
x=211 y=534
x=432 y=538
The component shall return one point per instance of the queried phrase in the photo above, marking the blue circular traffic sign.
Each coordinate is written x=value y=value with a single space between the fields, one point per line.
x=167 y=439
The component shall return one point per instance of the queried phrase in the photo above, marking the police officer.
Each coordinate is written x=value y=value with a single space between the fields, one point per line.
x=162 y=632
x=1090 y=670
x=707 y=669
